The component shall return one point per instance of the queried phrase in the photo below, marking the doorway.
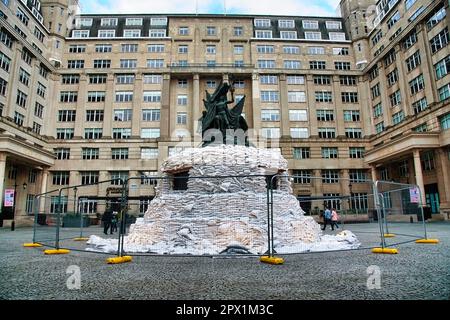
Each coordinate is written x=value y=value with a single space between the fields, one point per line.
x=432 y=197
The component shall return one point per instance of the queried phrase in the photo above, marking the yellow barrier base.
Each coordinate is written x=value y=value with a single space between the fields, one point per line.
x=81 y=239
x=118 y=260
x=32 y=245
x=428 y=241
x=389 y=235
x=271 y=260
x=55 y=251
x=385 y=250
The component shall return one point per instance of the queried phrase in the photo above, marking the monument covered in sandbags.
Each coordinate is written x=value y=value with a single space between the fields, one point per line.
x=215 y=199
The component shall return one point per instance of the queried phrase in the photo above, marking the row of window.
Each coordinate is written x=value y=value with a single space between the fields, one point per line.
x=303 y=133
x=297 y=64
x=308 y=35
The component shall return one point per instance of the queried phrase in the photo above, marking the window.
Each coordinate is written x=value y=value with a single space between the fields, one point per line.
x=128 y=63
x=445 y=122
x=183 y=31
x=395 y=98
x=103 y=48
x=288 y=34
x=68 y=96
x=298 y=115
x=75 y=64
x=442 y=68
x=421 y=128
x=106 y=33
x=21 y=99
x=409 y=4
x=316 y=50
x=19 y=118
x=333 y=25
x=43 y=71
x=410 y=40
x=157 y=48
x=41 y=89
x=389 y=58
x=286 y=24
x=123 y=115
x=398 y=117
x=338 y=65
x=70 y=79
x=211 y=49
x=158 y=21
x=301 y=153
x=125 y=78
x=36 y=128
x=118 y=177
x=436 y=18
x=3 y=86
x=6 y=39
x=58 y=204
x=155 y=63
x=375 y=90
x=80 y=34
x=108 y=22
x=292 y=64
x=270 y=133
x=96 y=96
x=270 y=115
x=151 y=115
x=323 y=96
x=377 y=37
x=157 y=33
x=238 y=31
x=93 y=133
x=378 y=110
x=420 y=105
x=266 y=64
x=349 y=97
x=310 y=24
x=322 y=80
x=413 y=61
x=94 y=115
x=60 y=178
x=183 y=49
x=299 y=133
x=263 y=49
x=313 y=35
x=325 y=115
x=238 y=49
x=357 y=176
x=302 y=176
x=152 y=78
x=24 y=77
x=150 y=133
x=134 y=22
x=211 y=31
x=89 y=177
x=121 y=133
x=239 y=84
x=39 y=110
x=181 y=118
x=262 y=23
x=39 y=34
x=444 y=92
x=352 y=116
x=119 y=153
x=348 y=80
x=373 y=73
x=62 y=153
x=67 y=115
x=102 y=64
x=439 y=41
x=263 y=34
x=124 y=96
x=291 y=50
x=393 y=20
x=211 y=84
x=427 y=160
x=5 y=62
x=64 y=133
x=268 y=79
x=379 y=127
x=353 y=133
x=330 y=176
x=337 y=36
x=327 y=133
x=330 y=153
x=294 y=80
x=127 y=48
x=317 y=65
x=22 y=17
x=78 y=48
x=296 y=96
x=97 y=78
x=270 y=96
x=417 y=84
x=152 y=96
x=149 y=153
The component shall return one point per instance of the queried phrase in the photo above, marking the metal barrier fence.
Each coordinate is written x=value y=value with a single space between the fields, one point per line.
x=212 y=215
x=401 y=209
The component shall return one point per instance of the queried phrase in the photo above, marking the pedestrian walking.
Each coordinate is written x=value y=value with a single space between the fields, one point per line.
x=115 y=218
x=107 y=221
x=327 y=218
x=334 y=219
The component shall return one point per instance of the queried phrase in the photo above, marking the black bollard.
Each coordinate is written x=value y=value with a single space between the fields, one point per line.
x=13 y=225
x=411 y=219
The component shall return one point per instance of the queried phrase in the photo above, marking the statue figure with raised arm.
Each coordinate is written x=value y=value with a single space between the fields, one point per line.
x=219 y=117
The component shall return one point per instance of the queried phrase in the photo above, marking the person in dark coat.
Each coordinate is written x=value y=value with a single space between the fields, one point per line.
x=107 y=221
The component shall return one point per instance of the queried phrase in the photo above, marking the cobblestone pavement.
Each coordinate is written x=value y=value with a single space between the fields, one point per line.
x=417 y=272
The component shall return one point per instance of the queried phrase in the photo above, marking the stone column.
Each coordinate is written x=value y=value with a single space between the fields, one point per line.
x=256 y=103
x=373 y=171
x=2 y=177
x=284 y=107
x=165 y=109
x=80 y=117
x=443 y=177
x=196 y=107
x=345 y=188
x=419 y=175
x=44 y=181
x=138 y=97
x=311 y=96
x=108 y=106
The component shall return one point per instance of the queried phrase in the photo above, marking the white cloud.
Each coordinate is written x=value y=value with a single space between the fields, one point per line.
x=273 y=7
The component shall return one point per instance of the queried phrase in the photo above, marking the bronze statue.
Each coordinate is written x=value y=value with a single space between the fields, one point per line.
x=219 y=118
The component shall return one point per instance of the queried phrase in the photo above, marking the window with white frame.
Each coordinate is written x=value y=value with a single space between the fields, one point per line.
x=299 y=133
x=270 y=133
x=313 y=35
x=270 y=115
x=155 y=63
x=292 y=64
x=124 y=96
x=152 y=79
x=333 y=25
x=353 y=133
x=295 y=80
x=108 y=22
x=149 y=153
x=263 y=34
x=337 y=36
x=300 y=153
x=296 y=96
x=286 y=24
x=288 y=34
x=310 y=24
x=157 y=33
x=152 y=96
x=266 y=64
x=125 y=78
x=181 y=118
x=150 y=133
x=131 y=33
x=64 y=133
x=79 y=34
x=123 y=115
x=156 y=48
x=161 y=21
x=330 y=153
x=121 y=133
x=268 y=79
x=316 y=50
x=298 y=115
x=265 y=49
x=291 y=49
x=106 y=33
x=134 y=22
x=270 y=96
x=262 y=23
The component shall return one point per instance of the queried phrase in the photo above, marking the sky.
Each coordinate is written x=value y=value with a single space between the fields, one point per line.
x=272 y=7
